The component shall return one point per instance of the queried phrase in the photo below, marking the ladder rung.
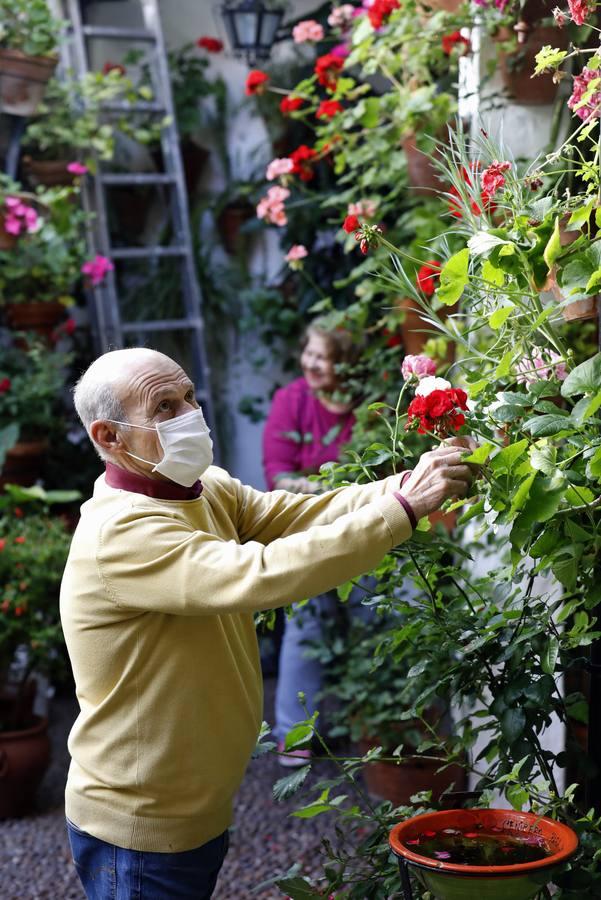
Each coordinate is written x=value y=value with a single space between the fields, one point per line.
x=144 y=252
x=110 y=178
x=141 y=106
x=162 y=325
x=123 y=34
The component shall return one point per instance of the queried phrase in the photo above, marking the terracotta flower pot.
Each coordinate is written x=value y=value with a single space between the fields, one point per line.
x=423 y=174
x=581 y=309
x=398 y=782
x=34 y=315
x=229 y=222
x=24 y=757
x=48 y=172
x=458 y=881
x=23 y=463
x=7 y=240
x=23 y=81
x=517 y=67
x=448 y=5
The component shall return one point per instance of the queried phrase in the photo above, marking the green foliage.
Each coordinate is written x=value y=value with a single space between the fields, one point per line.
x=28 y=25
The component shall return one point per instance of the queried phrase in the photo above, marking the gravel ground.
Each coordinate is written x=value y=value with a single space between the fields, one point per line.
x=35 y=862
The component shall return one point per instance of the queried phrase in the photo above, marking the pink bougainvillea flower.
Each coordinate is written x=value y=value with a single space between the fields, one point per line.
x=579 y=11
x=341 y=16
x=289 y=104
x=351 y=223
x=96 y=269
x=492 y=178
x=77 y=168
x=455 y=41
x=271 y=207
x=327 y=69
x=277 y=167
x=5 y=385
x=419 y=367
x=210 y=44
x=541 y=365
x=592 y=108
x=328 y=108
x=367 y=208
x=380 y=10
x=307 y=30
x=256 y=81
x=302 y=159
x=426 y=277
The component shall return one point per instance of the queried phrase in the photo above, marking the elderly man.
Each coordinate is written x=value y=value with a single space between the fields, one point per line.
x=157 y=603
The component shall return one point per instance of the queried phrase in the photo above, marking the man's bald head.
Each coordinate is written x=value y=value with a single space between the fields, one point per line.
x=102 y=391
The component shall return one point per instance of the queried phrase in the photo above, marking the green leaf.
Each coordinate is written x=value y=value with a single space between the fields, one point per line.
x=546 y=426
x=499 y=317
x=553 y=248
x=580 y=216
x=512 y=722
x=543 y=500
x=482 y=242
x=476 y=509
x=289 y=785
x=504 y=367
x=544 y=459
x=521 y=495
x=567 y=611
x=492 y=275
x=480 y=454
x=593 y=469
x=550 y=655
x=584 y=379
x=548 y=59
x=454 y=277
x=517 y=796
x=578 y=710
x=508 y=456
x=298 y=888
x=371 y=116
x=299 y=736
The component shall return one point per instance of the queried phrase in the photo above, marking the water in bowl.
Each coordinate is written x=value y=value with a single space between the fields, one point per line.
x=479 y=846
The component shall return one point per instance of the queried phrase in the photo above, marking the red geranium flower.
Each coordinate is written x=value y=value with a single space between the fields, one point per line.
x=351 y=223
x=302 y=158
x=289 y=104
x=5 y=385
x=2 y=543
x=450 y=41
x=18 y=512
x=113 y=67
x=438 y=412
x=19 y=540
x=255 y=82
x=327 y=69
x=379 y=11
x=485 y=198
x=210 y=44
x=328 y=108
x=392 y=339
x=492 y=178
x=426 y=277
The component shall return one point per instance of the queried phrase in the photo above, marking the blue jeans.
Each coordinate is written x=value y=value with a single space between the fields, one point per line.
x=108 y=872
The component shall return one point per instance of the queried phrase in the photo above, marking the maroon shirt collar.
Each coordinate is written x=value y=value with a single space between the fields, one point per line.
x=119 y=478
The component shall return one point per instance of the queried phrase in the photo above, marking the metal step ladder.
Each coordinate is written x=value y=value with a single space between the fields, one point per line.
x=109 y=324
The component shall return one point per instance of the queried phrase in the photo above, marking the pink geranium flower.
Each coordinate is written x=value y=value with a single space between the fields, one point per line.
x=579 y=11
x=367 y=208
x=277 y=167
x=96 y=269
x=271 y=207
x=341 y=16
x=295 y=256
x=77 y=168
x=592 y=107
x=541 y=365
x=492 y=178
x=419 y=367
x=308 y=30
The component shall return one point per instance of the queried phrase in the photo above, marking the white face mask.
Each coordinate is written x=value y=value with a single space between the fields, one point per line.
x=187 y=447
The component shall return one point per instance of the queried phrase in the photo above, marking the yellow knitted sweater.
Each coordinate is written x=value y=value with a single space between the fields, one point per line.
x=157 y=606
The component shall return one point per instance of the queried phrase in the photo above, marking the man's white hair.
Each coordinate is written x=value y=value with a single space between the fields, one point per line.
x=97 y=396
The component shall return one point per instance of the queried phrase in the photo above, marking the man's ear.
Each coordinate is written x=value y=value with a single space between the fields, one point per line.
x=103 y=434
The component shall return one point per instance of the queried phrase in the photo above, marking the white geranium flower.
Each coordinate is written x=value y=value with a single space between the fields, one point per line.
x=431 y=383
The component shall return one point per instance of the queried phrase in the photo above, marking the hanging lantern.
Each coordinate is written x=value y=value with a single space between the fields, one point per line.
x=252 y=28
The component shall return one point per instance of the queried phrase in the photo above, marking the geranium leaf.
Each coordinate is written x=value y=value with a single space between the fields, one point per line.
x=580 y=216
x=491 y=274
x=584 y=379
x=454 y=277
x=499 y=317
x=553 y=248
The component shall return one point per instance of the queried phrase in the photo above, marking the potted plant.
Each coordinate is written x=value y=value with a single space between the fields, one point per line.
x=33 y=552
x=473 y=853
x=29 y=36
x=39 y=274
x=19 y=212
x=31 y=381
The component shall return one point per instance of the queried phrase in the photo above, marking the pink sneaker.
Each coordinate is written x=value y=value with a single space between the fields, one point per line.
x=293 y=758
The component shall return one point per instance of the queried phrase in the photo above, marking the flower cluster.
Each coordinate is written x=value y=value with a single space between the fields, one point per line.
x=455 y=41
x=437 y=407
x=591 y=107
x=271 y=207
x=366 y=208
x=341 y=16
x=290 y=104
x=327 y=69
x=302 y=159
x=541 y=365
x=210 y=44
x=579 y=11
x=308 y=30
x=96 y=269
x=328 y=108
x=279 y=167
x=492 y=178
x=380 y=10
x=426 y=277
x=366 y=235
x=485 y=200
x=295 y=256
x=417 y=367
x=256 y=81
x=19 y=217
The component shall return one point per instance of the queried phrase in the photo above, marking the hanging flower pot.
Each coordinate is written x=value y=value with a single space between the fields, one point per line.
x=423 y=174
x=48 y=172
x=23 y=81
x=24 y=758
x=229 y=222
x=24 y=462
x=474 y=853
x=580 y=309
x=398 y=782
x=7 y=240
x=34 y=315
x=450 y=6
x=517 y=67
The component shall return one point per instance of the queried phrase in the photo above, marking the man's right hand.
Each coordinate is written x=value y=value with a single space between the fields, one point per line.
x=439 y=475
